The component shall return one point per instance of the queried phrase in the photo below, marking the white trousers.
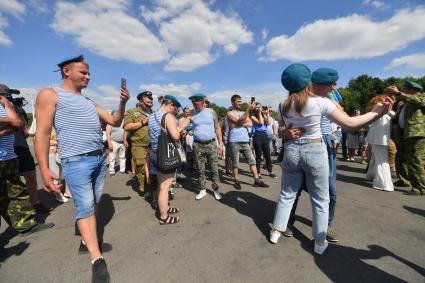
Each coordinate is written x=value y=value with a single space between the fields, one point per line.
x=118 y=149
x=379 y=169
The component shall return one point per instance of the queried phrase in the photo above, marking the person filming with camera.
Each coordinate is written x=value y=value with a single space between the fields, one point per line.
x=261 y=119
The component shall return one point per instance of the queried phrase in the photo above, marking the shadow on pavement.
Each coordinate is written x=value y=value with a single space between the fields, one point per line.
x=350 y=169
x=415 y=210
x=261 y=210
x=16 y=250
x=353 y=180
x=346 y=264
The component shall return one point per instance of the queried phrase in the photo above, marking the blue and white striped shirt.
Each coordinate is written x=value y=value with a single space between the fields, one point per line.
x=155 y=128
x=77 y=124
x=326 y=125
x=6 y=142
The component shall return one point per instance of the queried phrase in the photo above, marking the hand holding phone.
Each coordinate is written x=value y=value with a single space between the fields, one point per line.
x=123 y=83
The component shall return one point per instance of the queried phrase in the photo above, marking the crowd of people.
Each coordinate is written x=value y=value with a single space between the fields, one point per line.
x=70 y=144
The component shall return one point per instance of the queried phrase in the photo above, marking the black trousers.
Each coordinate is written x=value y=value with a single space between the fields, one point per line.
x=262 y=147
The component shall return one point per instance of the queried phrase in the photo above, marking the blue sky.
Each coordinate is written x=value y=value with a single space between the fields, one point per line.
x=216 y=47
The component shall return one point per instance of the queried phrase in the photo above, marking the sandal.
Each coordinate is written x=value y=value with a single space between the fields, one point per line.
x=172 y=210
x=169 y=220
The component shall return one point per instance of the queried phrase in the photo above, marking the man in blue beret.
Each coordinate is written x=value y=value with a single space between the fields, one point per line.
x=76 y=119
x=323 y=83
x=136 y=125
x=411 y=144
x=206 y=130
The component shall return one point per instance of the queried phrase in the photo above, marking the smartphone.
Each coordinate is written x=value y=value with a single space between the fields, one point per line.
x=123 y=83
x=252 y=99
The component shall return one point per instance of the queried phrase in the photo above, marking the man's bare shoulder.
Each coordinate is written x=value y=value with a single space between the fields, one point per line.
x=47 y=95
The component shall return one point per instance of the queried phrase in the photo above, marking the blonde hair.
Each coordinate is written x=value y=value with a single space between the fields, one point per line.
x=298 y=99
x=164 y=101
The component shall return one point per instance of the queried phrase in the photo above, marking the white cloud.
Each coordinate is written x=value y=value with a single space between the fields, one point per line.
x=348 y=37
x=104 y=27
x=264 y=34
x=13 y=8
x=191 y=31
x=180 y=90
x=412 y=61
x=380 y=5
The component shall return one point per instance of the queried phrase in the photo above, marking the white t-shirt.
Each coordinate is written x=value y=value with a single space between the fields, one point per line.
x=311 y=116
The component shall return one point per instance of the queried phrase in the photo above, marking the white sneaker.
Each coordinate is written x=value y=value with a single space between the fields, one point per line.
x=320 y=247
x=201 y=194
x=111 y=173
x=61 y=198
x=217 y=195
x=274 y=236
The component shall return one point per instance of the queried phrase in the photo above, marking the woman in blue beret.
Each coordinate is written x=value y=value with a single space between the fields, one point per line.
x=306 y=157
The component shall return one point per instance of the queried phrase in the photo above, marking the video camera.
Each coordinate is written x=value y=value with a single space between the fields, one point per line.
x=8 y=92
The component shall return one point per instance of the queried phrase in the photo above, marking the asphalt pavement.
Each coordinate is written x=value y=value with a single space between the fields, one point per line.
x=382 y=237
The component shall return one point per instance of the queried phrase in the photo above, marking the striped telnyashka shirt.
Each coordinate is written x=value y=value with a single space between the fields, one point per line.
x=6 y=142
x=77 y=124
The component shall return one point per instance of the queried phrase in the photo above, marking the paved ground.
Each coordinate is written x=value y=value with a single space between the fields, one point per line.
x=382 y=238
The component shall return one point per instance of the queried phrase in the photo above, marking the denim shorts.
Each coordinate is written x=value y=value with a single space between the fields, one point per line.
x=236 y=148
x=85 y=176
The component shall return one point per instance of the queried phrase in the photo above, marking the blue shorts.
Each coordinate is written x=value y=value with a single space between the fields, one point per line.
x=85 y=176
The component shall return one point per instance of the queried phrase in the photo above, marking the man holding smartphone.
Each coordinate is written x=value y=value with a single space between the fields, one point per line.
x=136 y=124
x=239 y=139
x=76 y=119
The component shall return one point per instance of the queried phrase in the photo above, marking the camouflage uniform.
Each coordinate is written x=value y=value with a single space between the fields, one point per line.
x=206 y=153
x=139 y=143
x=15 y=206
x=414 y=140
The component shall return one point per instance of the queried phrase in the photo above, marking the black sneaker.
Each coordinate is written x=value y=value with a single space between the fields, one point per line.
x=37 y=228
x=100 y=272
x=288 y=232
x=260 y=183
x=273 y=175
x=237 y=185
x=331 y=236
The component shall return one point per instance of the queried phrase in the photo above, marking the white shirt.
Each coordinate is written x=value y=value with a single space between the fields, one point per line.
x=380 y=131
x=311 y=116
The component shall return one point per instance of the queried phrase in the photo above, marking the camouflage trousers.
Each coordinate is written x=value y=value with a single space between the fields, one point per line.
x=415 y=150
x=206 y=154
x=139 y=154
x=15 y=206
x=401 y=164
x=392 y=151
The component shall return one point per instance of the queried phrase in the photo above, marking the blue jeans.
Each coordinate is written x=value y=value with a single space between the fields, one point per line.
x=307 y=160
x=85 y=176
x=328 y=138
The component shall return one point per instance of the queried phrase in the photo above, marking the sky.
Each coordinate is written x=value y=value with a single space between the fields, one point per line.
x=214 y=47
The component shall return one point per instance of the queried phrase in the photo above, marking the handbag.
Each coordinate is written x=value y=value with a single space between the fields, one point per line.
x=170 y=154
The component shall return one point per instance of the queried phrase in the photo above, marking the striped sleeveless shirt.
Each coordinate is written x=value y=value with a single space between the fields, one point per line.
x=6 y=142
x=77 y=124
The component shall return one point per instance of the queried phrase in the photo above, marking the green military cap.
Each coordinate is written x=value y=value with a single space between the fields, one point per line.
x=143 y=94
x=296 y=77
x=324 y=76
x=69 y=60
x=413 y=85
x=197 y=96
x=173 y=99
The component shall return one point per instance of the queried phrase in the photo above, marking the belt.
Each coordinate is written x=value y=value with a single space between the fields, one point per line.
x=96 y=152
x=307 y=140
x=205 y=142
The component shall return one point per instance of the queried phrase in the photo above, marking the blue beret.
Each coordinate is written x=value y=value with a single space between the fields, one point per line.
x=69 y=60
x=296 y=77
x=173 y=99
x=413 y=85
x=197 y=96
x=324 y=76
x=143 y=94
